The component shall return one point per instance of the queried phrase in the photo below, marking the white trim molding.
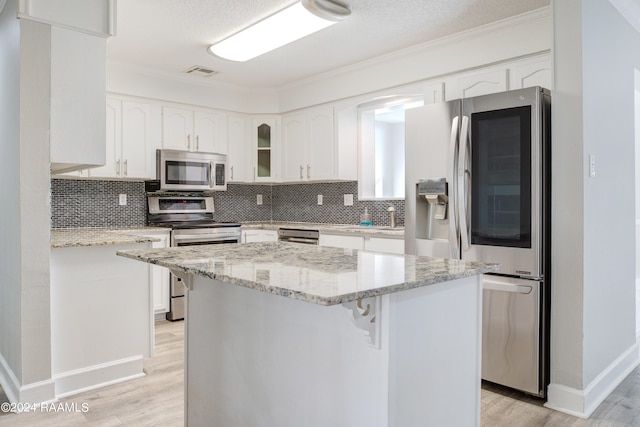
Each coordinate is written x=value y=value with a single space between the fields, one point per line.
x=96 y=376
x=582 y=403
x=38 y=392
x=95 y=17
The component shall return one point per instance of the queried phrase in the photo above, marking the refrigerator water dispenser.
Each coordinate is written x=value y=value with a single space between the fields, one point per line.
x=433 y=205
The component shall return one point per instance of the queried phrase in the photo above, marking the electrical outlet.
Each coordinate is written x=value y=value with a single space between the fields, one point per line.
x=592 y=165
x=348 y=199
x=122 y=200
x=319 y=199
x=259 y=199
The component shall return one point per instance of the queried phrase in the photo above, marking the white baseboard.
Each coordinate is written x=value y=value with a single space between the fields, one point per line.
x=92 y=377
x=38 y=392
x=582 y=403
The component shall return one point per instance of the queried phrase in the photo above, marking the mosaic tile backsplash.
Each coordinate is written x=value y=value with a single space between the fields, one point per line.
x=94 y=203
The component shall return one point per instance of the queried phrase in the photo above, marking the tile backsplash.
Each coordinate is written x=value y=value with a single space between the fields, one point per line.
x=94 y=203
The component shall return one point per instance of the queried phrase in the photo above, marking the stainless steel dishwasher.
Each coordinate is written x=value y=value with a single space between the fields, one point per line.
x=297 y=235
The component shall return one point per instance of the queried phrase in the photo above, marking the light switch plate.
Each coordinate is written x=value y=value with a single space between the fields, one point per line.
x=319 y=199
x=122 y=200
x=348 y=199
x=259 y=199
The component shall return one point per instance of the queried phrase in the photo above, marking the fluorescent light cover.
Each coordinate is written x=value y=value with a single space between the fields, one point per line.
x=289 y=24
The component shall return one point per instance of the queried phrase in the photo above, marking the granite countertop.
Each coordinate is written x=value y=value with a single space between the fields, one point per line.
x=385 y=231
x=75 y=237
x=320 y=275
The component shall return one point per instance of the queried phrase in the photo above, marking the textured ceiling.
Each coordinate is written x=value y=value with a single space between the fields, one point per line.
x=169 y=36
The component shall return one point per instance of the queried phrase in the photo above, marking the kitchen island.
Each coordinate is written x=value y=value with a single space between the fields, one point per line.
x=283 y=334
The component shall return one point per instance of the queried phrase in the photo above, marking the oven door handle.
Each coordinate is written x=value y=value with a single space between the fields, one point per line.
x=300 y=240
x=184 y=238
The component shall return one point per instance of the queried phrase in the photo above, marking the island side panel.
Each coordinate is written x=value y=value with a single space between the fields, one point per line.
x=435 y=355
x=256 y=359
x=101 y=317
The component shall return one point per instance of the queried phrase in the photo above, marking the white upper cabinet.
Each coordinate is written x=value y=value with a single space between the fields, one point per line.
x=532 y=72
x=130 y=149
x=308 y=145
x=177 y=128
x=480 y=83
x=138 y=158
x=293 y=142
x=77 y=102
x=191 y=130
x=210 y=132
x=239 y=157
x=320 y=148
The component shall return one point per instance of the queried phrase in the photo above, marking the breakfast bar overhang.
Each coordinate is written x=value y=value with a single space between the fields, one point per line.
x=289 y=335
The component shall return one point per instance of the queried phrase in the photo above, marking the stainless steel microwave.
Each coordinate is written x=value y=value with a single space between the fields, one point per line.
x=190 y=171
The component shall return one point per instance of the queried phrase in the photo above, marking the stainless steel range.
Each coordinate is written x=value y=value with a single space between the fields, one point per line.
x=191 y=221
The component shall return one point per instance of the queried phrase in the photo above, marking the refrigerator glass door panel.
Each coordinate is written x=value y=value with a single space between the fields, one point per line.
x=501 y=178
x=511 y=333
x=505 y=206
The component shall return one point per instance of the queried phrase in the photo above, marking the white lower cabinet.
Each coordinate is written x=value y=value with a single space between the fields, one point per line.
x=384 y=244
x=159 y=276
x=252 y=236
x=341 y=241
x=392 y=245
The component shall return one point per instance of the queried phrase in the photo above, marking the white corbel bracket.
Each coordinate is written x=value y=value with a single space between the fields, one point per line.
x=187 y=279
x=366 y=316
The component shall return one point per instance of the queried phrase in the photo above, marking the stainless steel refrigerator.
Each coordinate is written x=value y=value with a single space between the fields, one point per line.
x=478 y=188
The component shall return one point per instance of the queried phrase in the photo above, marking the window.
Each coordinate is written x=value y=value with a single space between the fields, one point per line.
x=381 y=146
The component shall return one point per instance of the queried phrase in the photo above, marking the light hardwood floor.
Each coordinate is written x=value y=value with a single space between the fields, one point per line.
x=157 y=399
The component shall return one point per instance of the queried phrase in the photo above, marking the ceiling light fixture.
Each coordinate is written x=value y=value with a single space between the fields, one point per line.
x=292 y=23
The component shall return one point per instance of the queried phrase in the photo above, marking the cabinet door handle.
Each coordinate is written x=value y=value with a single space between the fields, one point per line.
x=197 y=142
x=231 y=178
x=125 y=167
x=189 y=142
x=301 y=169
x=308 y=172
x=118 y=167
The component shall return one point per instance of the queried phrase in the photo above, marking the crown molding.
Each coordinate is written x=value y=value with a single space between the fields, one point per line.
x=630 y=10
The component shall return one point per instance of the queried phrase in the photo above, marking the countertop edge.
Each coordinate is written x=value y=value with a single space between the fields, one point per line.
x=340 y=229
x=87 y=237
x=479 y=268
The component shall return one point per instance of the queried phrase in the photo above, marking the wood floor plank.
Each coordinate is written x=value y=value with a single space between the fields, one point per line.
x=158 y=399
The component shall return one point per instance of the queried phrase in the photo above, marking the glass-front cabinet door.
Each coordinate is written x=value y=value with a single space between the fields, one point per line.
x=265 y=140
x=264 y=151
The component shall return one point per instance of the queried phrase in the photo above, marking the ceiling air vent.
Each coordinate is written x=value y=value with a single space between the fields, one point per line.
x=200 y=71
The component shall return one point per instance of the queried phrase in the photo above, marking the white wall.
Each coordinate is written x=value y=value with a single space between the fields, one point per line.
x=593 y=249
x=25 y=348
x=127 y=80
x=526 y=35
x=637 y=146
x=10 y=339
